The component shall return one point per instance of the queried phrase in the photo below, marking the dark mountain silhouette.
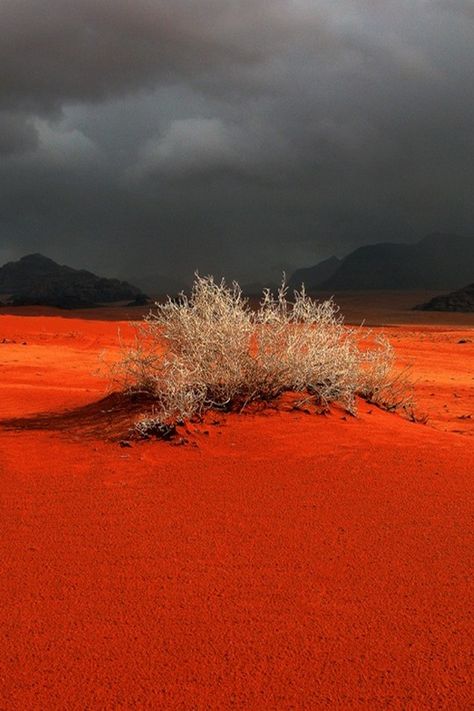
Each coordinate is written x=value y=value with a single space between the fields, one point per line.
x=36 y=279
x=313 y=277
x=439 y=261
x=460 y=300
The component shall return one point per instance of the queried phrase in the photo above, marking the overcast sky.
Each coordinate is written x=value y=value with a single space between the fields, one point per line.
x=235 y=136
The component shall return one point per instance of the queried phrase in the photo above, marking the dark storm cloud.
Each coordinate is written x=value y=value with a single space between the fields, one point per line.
x=232 y=136
x=17 y=133
x=61 y=50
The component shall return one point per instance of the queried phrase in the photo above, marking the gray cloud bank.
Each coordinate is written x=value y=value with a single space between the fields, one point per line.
x=240 y=137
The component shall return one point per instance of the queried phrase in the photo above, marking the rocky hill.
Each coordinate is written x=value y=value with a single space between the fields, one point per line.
x=38 y=280
x=439 y=261
x=460 y=300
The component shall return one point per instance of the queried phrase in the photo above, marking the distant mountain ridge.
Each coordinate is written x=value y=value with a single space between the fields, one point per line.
x=311 y=277
x=461 y=301
x=38 y=280
x=439 y=261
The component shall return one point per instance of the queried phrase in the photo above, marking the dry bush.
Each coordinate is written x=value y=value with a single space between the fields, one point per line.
x=211 y=350
x=383 y=384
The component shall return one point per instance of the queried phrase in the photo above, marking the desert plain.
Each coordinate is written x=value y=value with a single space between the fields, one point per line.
x=276 y=560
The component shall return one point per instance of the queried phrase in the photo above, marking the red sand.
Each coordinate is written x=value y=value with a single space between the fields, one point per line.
x=286 y=561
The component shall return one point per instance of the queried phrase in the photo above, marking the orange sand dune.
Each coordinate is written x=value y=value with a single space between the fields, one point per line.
x=278 y=561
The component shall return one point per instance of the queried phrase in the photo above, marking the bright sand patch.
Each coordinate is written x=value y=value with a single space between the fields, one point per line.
x=286 y=561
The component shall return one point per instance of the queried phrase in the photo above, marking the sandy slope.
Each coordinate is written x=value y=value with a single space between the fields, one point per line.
x=279 y=561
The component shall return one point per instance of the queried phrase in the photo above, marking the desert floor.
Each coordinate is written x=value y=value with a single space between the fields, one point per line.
x=279 y=560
